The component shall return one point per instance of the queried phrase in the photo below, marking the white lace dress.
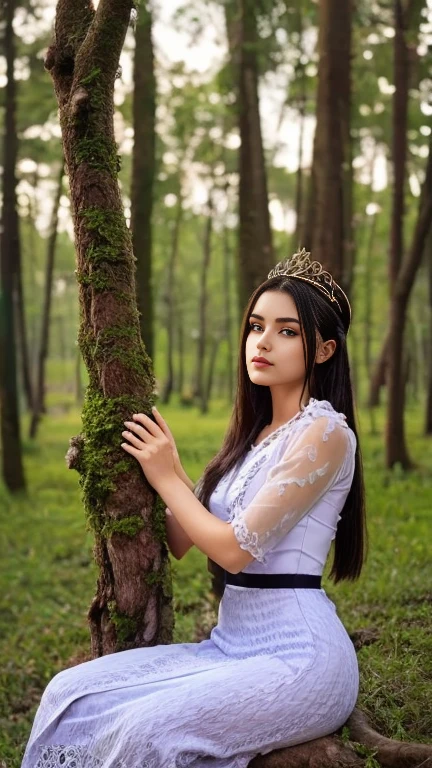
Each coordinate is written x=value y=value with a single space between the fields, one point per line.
x=279 y=667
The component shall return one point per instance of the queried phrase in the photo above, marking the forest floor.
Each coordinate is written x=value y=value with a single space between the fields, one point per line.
x=47 y=576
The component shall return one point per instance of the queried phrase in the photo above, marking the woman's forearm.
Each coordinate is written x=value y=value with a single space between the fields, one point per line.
x=183 y=476
x=177 y=539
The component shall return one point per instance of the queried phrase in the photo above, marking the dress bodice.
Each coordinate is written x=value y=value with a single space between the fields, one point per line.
x=285 y=497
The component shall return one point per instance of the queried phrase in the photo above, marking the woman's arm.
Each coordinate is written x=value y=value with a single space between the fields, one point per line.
x=177 y=539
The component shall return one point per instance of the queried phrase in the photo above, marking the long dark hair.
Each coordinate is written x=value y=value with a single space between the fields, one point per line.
x=330 y=381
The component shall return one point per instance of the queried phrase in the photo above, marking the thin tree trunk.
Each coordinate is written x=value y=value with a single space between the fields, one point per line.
x=212 y=362
x=180 y=348
x=12 y=465
x=170 y=302
x=132 y=606
x=255 y=237
x=21 y=323
x=143 y=171
x=228 y=318
x=369 y=290
x=39 y=393
x=428 y=410
x=199 y=393
x=332 y=242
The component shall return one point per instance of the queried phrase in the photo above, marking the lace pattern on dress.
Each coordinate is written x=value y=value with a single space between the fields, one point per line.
x=321 y=438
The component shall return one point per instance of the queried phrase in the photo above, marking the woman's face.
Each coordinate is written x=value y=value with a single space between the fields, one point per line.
x=275 y=334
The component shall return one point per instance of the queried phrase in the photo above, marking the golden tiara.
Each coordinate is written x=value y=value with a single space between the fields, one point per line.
x=301 y=267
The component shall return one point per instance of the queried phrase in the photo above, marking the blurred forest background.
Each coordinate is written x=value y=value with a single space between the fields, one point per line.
x=244 y=131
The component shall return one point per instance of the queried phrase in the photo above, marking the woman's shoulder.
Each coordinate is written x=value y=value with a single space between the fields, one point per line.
x=323 y=412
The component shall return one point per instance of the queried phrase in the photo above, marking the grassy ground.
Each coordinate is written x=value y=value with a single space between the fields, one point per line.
x=47 y=577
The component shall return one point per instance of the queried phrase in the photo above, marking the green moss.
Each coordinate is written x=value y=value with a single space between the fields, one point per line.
x=98 y=154
x=97 y=254
x=125 y=625
x=127 y=526
x=158 y=520
x=127 y=357
x=110 y=225
x=91 y=77
x=96 y=280
x=102 y=425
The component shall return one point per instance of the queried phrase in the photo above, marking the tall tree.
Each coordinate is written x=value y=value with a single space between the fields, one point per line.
x=12 y=465
x=143 y=170
x=255 y=236
x=332 y=241
x=38 y=404
x=406 y=19
x=132 y=605
x=396 y=447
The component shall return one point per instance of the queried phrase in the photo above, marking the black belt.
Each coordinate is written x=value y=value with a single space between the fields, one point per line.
x=273 y=580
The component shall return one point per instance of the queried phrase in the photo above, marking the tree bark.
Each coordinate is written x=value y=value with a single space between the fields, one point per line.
x=332 y=241
x=255 y=237
x=38 y=406
x=143 y=171
x=132 y=606
x=12 y=464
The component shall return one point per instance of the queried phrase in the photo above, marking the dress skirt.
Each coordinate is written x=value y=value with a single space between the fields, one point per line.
x=278 y=669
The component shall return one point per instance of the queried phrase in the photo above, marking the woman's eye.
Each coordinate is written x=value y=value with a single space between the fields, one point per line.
x=252 y=327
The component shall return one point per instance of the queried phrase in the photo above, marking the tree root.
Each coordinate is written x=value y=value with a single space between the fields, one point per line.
x=327 y=752
x=390 y=753
x=364 y=745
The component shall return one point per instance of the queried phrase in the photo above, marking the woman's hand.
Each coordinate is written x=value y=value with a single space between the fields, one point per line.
x=167 y=432
x=152 y=447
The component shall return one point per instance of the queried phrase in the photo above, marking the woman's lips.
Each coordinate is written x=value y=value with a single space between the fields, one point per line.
x=259 y=364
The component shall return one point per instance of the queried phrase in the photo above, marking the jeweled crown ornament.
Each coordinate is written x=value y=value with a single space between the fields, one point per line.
x=301 y=267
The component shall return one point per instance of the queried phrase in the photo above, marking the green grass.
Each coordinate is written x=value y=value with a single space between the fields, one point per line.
x=47 y=577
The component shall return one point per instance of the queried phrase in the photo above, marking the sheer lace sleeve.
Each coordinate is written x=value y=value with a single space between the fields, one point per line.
x=292 y=487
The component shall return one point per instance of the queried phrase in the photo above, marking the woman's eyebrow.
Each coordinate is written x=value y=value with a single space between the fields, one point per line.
x=278 y=319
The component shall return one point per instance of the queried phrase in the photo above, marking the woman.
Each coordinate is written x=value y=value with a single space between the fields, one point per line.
x=279 y=667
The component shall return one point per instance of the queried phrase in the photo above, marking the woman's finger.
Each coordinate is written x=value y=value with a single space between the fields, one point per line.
x=136 y=441
x=148 y=423
x=130 y=449
x=137 y=429
x=162 y=423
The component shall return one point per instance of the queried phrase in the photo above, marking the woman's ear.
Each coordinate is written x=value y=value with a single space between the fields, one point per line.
x=325 y=350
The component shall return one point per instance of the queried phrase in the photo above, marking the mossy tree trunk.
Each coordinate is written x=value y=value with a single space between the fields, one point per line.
x=143 y=171
x=12 y=465
x=132 y=606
